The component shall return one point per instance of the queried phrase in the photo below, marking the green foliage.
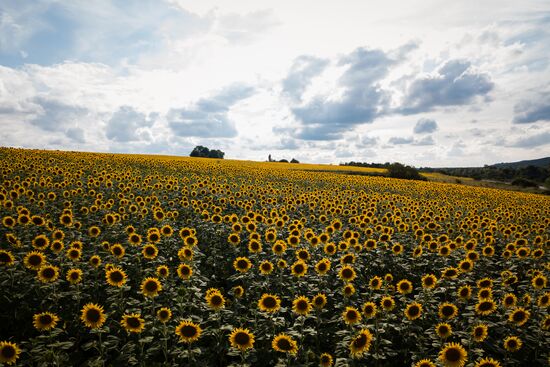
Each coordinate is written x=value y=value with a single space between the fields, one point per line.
x=398 y=170
x=204 y=152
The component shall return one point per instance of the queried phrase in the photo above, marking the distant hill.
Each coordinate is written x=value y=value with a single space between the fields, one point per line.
x=541 y=162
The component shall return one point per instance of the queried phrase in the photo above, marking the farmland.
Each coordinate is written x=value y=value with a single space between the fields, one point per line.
x=154 y=260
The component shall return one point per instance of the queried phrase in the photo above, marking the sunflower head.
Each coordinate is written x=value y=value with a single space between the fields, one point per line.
x=241 y=339
x=351 y=315
x=115 y=276
x=266 y=267
x=512 y=344
x=443 y=330
x=45 y=321
x=347 y=273
x=74 y=276
x=387 y=303
x=299 y=268
x=92 y=315
x=485 y=307
x=453 y=355
x=9 y=352
x=242 y=264
x=269 y=303
x=325 y=360
x=480 y=332
x=164 y=314
x=447 y=311
x=301 y=306
x=284 y=343
x=6 y=258
x=519 y=316
x=413 y=311
x=319 y=301
x=150 y=287
x=404 y=286
x=48 y=273
x=215 y=300
x=185 y=271
x=188 y=331
x=369 y=309
x=360 y=344
x=424 y=363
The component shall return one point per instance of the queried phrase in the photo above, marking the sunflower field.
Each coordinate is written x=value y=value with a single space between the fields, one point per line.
x=135 y=260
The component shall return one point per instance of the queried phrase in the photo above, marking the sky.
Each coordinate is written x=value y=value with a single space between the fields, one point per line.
x=422 y=82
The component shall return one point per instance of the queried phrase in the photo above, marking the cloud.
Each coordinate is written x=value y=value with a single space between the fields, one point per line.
x=455 y=84
x=532 y=111
x=362 y=99
x=76 y=134
x=245 y=27
x=397 y=140
x=125 y=123
x=532 y=141
x=55 y=115
x=303 y=69
x=424 y=126
x=208 y=118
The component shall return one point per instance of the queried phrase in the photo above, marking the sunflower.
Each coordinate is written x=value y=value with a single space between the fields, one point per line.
x=323 y=266
x=150 y=287
x=215 y=300
x=34 y=260
x=242 y=264
x=351 y=315
x=519 y=316
x=485 y=293
x=48 y=273
x=301 y=306
x=45 y=321
x=132 y=323
x=269 y=303
x=487 y=362
x=188 y=331
x=164 y=314
x=74 y=254
x=134 y=239
x=424 y=363
x=299 y=268
x=285 y=344
x=539 y=281
x=369 y=309
x=447 y=311
x=9 y=352
x=413 y=311
x=429 y=281
x=485 y=307
x=348 y=290
x=74 y=276
x=40 y=242
x=302 y=254
x=266 y=267
x=281 y=264
x=241 y=339
x=185 y=271
x=6 y=258
x=92 y=315
x=95 y=261
x=325 y=360
x=319 y=301
x=375 y=283
x=545 y=323
x=255 y=246
x=279 y=248
x=149 y=251
x=404 y=286
x=234 y=239
x=544 y=300
x=163 y=271
x=115 y=276
x=465 y=292
x=387 y=303
x=480 y=332
x=360 y=344
x=347 y=273
x=449 y=273
x=238 y=291
x=443 y=330
x=453 y=355
x=512 y=344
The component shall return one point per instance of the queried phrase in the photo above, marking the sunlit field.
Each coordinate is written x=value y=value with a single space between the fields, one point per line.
x=159 y=261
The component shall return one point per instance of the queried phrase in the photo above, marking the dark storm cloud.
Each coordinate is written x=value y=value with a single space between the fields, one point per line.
x=454 y=85
x=361 y=102
x=303 y=69
x=123 y=125
x=532 y=141
x=424 y=126
x=208 y=117
x=532 y=111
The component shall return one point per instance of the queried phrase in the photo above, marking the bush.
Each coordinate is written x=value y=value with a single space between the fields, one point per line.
x=523 y=182
x=398 y=170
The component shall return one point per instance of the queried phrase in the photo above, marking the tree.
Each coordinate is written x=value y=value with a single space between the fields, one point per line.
x=204 y=152
x=398 y=170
